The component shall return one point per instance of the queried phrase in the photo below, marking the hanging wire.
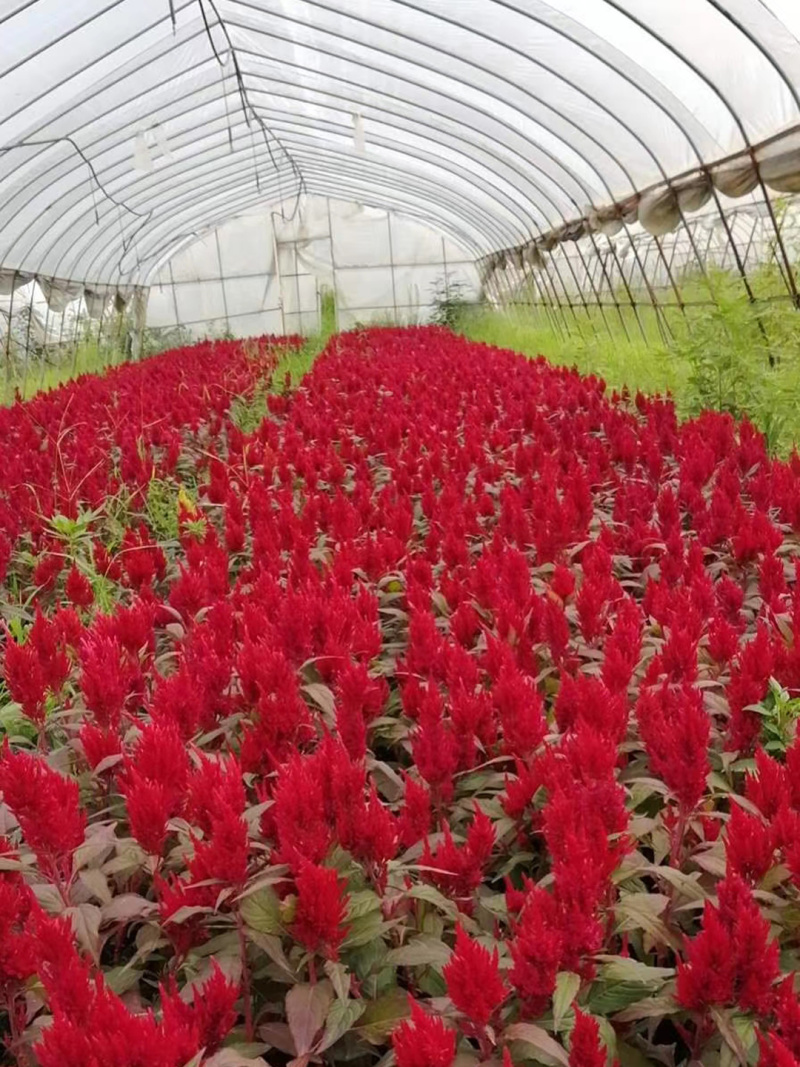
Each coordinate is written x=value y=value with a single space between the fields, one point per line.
x=173 y=17
x=50 y=141
x=248 y=110
x=144 y=216
x=255 y=161
x=250 y=113
x=94 y=204
x=227 y=109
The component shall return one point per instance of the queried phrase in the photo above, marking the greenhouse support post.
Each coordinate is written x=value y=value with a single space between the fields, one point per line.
x=139 y=315
x=28 y=336
x=8 y=331
x=391 y=264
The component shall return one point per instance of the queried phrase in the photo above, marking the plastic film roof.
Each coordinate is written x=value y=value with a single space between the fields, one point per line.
x=129 y=127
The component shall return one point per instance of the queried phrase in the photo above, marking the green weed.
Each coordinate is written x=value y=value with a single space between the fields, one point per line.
x=720 y=351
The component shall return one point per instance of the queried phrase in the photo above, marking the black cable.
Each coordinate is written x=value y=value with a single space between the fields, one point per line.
x=49 y=142
x=247 y=107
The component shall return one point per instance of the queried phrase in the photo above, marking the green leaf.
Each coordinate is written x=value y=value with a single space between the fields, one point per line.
x=85 y=920
x=642 y=911
x=629 y=1056
x=272 y=946
x=625 y=969
x=567 y=985
x=120 y=979
x=362 y=903
x=231 y=1057
x=726 y=1027
x=344 y=1014
x=539 y=1039
x=340 y=978
x=382 y=1016
x=687 y=884
x=306 y=1008
x=261 y=911
x=421 y=951
x=622 y=981
x=649 y=1008
x=322 y=696
x=366 y=929
x=432 y=895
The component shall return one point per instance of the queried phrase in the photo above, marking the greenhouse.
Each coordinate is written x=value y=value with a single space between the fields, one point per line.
x=399 y=533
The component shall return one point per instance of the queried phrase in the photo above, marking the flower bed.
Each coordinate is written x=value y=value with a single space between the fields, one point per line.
x=450 y=712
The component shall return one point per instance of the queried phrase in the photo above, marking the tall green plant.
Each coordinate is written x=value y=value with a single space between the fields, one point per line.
x=727 y=351
x=449 y=303
x=719 y=350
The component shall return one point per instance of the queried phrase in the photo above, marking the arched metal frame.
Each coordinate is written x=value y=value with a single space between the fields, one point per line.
x=493 y=187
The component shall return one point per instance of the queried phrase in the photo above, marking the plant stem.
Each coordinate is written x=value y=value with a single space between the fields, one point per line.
x=676 y=850
x=248 y=1004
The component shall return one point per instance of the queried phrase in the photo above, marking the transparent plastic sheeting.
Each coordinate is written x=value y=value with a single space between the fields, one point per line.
x=262 y=273
x=130 y=126
x=30 y=321
x=635 y=261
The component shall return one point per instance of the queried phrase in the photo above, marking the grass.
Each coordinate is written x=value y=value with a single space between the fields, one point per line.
x=721 y=351
x=247 y=413
x=87 y=357
x=296 y=364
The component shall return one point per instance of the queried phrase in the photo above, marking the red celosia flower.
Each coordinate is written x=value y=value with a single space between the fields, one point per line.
x=563 y=581
x=732 y=960
x=787 y=1015
x=104 y=565
x=105 y=682
x=423 y=1041
x=750 y=676
x=774 y=1052
x=321 y=909
x=212 y=1013
x=25 y=678
x=585 y=1047
x=173 y=895
x=223 y=855
x=214 y=784
x=473 y=979
x=415 y=815
x=435 y=748
x=99 y=744
x=78 y=589
x=109 y=1033
x=154 y=782
x=47 y=569
x=177 y=700
x=520 y=708
x=17 y=949
x=47 y=807
x=459 y=871
x=749 y=846
x=768 y=788
x=537 y=949
x=48 y=637
x=675 y=728
x=375 y=842
x=5 y=556
x=149 y=807
x=303 y=828
x=587 y=700
x=142 y=560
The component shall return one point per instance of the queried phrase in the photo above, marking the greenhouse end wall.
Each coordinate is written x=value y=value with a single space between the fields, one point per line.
x=264 y=272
